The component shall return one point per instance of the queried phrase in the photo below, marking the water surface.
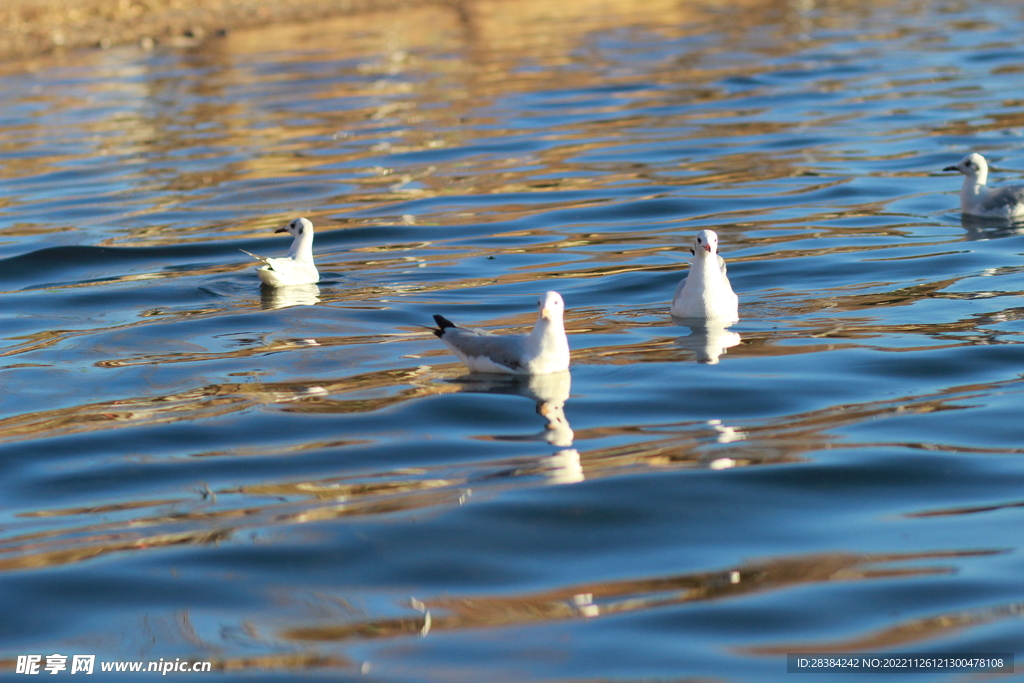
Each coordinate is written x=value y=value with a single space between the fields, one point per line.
x=306 y=483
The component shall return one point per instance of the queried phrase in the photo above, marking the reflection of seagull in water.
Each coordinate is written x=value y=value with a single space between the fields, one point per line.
x=727 y=434
x=545 y=349
x=977 y=199
x=297 y=267
x=980 y=228
x=282 y=297
x=706 y=293
x=708 y=341
x=563 y=467
x=549 y=390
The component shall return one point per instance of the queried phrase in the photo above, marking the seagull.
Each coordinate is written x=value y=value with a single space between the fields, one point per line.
x=297 y=267
x=976 y=199
x=545 y=349
x=706 y=292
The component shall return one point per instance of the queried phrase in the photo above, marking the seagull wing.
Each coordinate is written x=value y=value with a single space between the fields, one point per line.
x=476 y=348
x=1003 y=197
x=290 y=268
x=283 y=272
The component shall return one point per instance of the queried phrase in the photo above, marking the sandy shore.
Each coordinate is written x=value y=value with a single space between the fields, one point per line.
x=32 y=27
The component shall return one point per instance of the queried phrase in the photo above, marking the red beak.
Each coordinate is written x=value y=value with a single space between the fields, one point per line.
x=707 y=248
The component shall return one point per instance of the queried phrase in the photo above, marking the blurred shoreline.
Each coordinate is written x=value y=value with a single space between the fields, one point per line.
x=36 y=27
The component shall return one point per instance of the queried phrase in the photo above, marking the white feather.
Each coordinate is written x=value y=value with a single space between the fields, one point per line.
x=706 y=293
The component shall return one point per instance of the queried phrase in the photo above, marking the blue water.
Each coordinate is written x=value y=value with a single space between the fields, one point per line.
x=286 y=484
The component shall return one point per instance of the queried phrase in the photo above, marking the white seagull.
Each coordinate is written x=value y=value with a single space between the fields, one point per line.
x=976 y=199
x=545 y=349
x=706 y=292
x=297 y=267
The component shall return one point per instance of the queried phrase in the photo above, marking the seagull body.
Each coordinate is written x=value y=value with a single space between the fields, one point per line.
x=297 y=267
x=706 y=293
x=977 y=199
x=545 y=349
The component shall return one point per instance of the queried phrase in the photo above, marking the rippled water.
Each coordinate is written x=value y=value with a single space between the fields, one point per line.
x=308 y=484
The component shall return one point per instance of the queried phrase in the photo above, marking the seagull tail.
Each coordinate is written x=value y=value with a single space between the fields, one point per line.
x=443 y=324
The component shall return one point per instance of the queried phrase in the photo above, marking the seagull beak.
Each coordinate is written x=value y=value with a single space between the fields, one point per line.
x=280 y=230
x=951 y=168
x=707 y=248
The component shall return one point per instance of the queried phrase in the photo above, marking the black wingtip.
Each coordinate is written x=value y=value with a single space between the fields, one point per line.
x=443 y=324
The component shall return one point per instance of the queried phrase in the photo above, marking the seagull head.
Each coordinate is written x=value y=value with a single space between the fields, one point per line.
x=297 y=227
x=706 y=240
x=972 y=165
x=551 y=306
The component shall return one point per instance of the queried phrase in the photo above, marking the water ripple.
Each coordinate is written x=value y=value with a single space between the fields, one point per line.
x=305 y=481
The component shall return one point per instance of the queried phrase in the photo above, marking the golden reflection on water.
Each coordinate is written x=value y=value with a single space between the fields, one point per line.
x=408 y=80
x=904 y=632
x=218 y=400
x=218 y=515
x=437 y=103
x=225 y=398
x=594 y=600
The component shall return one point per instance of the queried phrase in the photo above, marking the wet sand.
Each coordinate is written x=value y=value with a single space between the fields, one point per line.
x=33 y=27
